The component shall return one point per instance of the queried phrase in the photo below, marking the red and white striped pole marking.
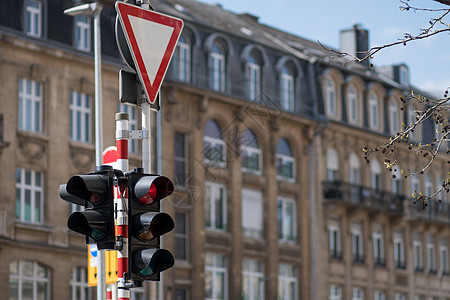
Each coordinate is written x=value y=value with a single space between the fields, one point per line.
x=122 y=135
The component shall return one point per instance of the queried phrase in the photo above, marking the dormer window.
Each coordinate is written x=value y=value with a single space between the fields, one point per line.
x=33 y=18
x=331 y=98
x=403 y=75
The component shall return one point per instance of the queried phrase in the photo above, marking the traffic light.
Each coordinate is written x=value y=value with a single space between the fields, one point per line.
x=146 y=225
x=95 y=192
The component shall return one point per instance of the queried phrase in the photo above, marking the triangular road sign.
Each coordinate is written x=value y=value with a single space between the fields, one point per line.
x=151 y=37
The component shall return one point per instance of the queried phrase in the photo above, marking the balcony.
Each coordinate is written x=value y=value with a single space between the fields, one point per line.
x=357 y=195
x=435 y=211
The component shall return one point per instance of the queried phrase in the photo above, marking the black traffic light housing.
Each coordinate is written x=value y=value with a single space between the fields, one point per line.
x=146 y=224
x=95 y=192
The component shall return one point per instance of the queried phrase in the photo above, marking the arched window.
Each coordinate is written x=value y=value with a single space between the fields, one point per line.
x=355 y=170
x=375 y=175
x=285 y=161
x=214 y=146
x=29 y=280
x=394 y=117
x=287 y=88
x=374 y=112
x=332 y=165
x=396 y=180
x=183 y=59
x=353 y=105
x=253 y=76
x=251 y=153
x=331 y=98
x=217 y=67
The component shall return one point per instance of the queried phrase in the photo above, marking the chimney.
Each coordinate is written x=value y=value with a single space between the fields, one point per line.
x=355 y=41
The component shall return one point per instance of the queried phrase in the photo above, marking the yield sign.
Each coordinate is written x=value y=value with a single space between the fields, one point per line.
x=152 y=38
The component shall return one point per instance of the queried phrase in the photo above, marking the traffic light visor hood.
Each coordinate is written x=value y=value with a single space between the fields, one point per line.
x=151 y=261
x=150 y=189
x=91 y=187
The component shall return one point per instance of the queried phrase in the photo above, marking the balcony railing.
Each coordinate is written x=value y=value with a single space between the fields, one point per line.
x=435 y=211
x=379 y=261
x=359 y=195
x=336 y=254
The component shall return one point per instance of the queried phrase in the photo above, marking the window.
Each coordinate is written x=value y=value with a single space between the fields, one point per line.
x=28 y=280
x=251 y=153
x=181 y=236
x=216 y=277
x=357 y=294
x=29 y=196
x=214 y=147
x=431 y=260
x=82 y=33
x=396 y=180
x=330 y=92
x=287 y=282
x=374 y=112
x=413 y=134
x=400 y=296
x=417 y=251
x=133 y=146
x=399 y=250
x=252 y=213
x=79 y=287
x=180 y=158
x=415 y=187
x=181 y=294
x=80 y=117
x=375 y=175
x=183 y=59
x=217 y=68
x=378 y=245
x=428 y=185
x=334 y=237
x=287 y=223
x=285 y=161
x=216 y=206
x=332 y=165
x=335 y=292
x=379 y=295
x=253 y=279
x=287 y=88
x=443 y=256
x=353 y=107
x=33 y=18
x=394 y=117
x=355 y=171
x=30 y=105
x=137 y=293
x=253 y=76
x=357 y=242
x=404 y=75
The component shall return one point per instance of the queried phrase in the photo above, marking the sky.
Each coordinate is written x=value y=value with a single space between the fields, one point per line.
x=321 y=20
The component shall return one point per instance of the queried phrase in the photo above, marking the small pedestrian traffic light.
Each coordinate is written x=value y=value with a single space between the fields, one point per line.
x=147 y=224
x=95 y=192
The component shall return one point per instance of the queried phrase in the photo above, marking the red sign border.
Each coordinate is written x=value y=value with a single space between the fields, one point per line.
x=125 y=10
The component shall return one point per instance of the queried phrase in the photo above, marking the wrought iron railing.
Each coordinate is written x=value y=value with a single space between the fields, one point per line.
x=360 y=195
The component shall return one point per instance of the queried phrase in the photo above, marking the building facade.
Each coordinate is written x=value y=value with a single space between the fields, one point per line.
x=262 y=136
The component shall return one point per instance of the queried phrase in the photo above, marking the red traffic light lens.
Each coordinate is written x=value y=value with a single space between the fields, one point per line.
x=150 y=196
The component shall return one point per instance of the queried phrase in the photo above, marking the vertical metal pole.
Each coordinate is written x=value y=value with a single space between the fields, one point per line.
x=146 y=138
x=101 y=280
x=122 y=134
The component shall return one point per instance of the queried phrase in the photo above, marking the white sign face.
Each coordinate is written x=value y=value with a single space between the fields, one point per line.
x=152 y=38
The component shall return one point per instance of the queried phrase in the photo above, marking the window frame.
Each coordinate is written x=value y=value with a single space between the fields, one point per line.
x=183 y=61
x=284 y=226
x=211 y=142
x=399 y=250
x=287 y=88
x=417 y=251
x=34 y=278
x=33 y=18
x=216 y=270
x=353 y=105
x=335 y=292
x=30 y=105
x=82 y=28
x=334 y=238
x=374 y=112
x=217 y=67
x=287 y=281
x=443 y=256
x=253 y=75
x=182 y=236
x=284 y=160
x=81 y=285
x=249 y=151
x=251 y=197
x=431 y=255
x=378 y=245
x=394 y=117
x=357 y=242
x=253 y=275
x=181 y=160
x=22 y=187
x=80 y=117
x=212 y=188
x=357 y=293
x=331 y=98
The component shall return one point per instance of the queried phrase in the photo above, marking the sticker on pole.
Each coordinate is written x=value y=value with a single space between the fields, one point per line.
x=151 y=38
